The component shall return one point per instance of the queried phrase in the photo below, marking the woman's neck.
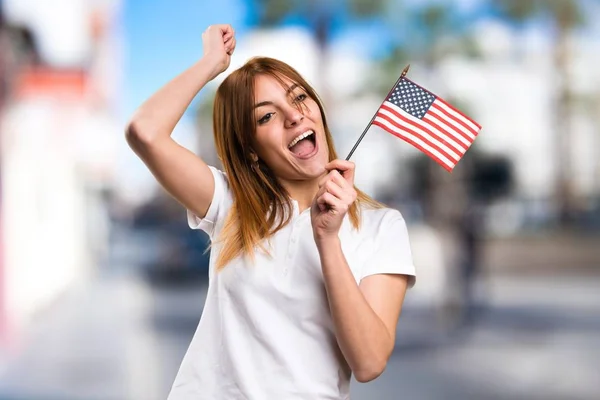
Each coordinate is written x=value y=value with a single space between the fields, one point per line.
x=303 y=192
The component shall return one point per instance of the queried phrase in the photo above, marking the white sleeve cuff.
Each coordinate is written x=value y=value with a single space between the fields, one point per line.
x=207 y=224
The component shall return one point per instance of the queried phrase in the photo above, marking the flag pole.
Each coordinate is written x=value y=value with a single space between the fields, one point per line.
x=374 y=115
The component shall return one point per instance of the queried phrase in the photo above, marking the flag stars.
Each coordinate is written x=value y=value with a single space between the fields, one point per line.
x=411 y=98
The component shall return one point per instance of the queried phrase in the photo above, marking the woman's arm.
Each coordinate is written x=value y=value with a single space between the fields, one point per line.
x=183 y=174
x=365 y=316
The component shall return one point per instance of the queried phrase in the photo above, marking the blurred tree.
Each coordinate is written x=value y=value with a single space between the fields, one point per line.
x=565 y=16
x=319 y=14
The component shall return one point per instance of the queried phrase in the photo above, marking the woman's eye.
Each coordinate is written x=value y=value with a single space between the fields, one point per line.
x=300 y=97
x=266 y=118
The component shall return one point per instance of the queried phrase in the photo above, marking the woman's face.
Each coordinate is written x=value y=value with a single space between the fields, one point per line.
x=290 y=137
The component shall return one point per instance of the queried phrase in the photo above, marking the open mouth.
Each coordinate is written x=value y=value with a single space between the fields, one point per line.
x=305 y=145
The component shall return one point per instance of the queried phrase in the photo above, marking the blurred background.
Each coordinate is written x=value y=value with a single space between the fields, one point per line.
x=102 y=283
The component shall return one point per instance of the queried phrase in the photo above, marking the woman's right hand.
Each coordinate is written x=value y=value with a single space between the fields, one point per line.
x=219 y=43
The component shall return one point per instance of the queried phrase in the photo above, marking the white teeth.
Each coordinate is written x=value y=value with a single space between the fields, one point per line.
x=299 y=138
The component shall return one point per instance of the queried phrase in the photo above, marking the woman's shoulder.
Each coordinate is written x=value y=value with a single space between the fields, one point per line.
x=376 y=218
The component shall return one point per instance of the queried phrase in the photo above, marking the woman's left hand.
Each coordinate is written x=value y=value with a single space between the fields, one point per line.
x=335 y=196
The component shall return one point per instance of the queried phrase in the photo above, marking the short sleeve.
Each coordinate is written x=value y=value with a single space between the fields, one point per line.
x=391 y=249
x=220 y=204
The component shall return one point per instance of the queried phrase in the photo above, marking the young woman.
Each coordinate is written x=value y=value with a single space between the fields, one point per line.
x=307 y=273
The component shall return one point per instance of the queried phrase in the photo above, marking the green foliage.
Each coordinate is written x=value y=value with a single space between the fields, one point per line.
x=274 y=11
x=388 y=70
x=367 y=8
x=435 y=17
x=517 y=10
x=567 y=14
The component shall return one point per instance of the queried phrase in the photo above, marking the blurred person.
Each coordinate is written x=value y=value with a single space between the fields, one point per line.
x=307 y=274
x=470 y=236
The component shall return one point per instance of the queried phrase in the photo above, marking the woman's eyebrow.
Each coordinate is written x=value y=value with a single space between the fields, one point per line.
x=268 y=103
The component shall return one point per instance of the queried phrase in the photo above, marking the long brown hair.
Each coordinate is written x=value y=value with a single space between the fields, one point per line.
x=261 y=206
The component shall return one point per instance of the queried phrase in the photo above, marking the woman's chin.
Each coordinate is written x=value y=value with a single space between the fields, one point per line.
x=311 y=172
x=316 y=169
x=310 y=168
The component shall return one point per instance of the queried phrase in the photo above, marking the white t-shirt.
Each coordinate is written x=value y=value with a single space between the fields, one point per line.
x=266 y=331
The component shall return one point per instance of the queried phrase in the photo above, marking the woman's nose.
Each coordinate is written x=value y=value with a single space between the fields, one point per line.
x=293 y=116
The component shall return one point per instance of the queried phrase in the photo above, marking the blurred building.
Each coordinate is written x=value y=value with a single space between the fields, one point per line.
x=58 y=134
x=513 y=90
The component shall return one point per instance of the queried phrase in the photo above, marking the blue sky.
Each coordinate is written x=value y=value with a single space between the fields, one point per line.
x=163 y=37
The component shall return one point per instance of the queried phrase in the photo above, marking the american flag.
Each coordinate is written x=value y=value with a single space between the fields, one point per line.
x=427 y=122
